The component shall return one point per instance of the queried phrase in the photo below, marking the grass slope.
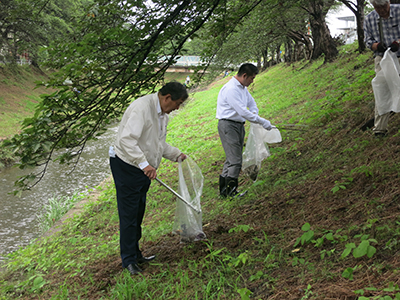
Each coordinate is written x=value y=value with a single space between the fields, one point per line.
x=321 y=222
x=18 y=97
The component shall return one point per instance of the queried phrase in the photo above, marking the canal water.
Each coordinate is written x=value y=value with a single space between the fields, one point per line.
x=18 y=215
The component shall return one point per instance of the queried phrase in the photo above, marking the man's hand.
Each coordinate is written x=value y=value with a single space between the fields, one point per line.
x=394 y=47
x=181 y=157
x=267 y=125
x=150 y=172
x=380 y=47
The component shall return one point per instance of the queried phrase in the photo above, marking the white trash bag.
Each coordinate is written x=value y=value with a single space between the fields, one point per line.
x=188 y=223
x=272 y=136
x=255 y=152
x=386 y=84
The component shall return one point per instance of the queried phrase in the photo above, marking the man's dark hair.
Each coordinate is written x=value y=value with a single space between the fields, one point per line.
x=379 y=2
x=248 y=69
x=176 y=90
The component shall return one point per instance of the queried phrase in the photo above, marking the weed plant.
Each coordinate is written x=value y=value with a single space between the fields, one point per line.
x=55 y=209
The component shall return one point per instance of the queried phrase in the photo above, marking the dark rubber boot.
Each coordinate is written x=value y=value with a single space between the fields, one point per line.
x=231 y=188
x=222 y=186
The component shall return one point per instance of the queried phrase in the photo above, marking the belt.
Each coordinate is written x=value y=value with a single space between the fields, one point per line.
x=232 y=121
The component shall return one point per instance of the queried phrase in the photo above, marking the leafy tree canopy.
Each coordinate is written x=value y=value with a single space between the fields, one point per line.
x=27 y=25
x=118 y=51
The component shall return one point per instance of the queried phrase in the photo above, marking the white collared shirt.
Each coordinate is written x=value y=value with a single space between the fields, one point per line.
x=162 y=130
x=235 y=103
x=139 y=139
x=161 y=119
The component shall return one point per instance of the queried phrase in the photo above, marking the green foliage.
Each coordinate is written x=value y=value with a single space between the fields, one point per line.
x=348 y=273
x=341 y=185
x=393 y=289
x=116 y=53
x=307 y=293
x=244 y=293
x=238 y=228
x=55 y=209
x=364 y=248
x=307 y=235
x=29 y=25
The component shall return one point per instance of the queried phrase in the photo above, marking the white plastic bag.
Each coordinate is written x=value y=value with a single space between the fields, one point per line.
x=386 y=84
x=188 y=223
x=272 y=136
x=255 y=151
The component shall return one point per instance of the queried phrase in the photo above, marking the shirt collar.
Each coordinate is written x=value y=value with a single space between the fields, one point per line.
x=159 y=111
x=237 y=82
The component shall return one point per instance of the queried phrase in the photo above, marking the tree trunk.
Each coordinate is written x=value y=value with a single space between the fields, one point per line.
x=258 y=62
x=288 y=51
x=301 y=39
x=265 y=58
x=360 y=31
x=278 y=54
x=358 y=11
x=323 y=41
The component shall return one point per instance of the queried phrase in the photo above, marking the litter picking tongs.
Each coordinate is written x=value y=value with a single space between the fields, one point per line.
x=289 y=127
x=179 y=196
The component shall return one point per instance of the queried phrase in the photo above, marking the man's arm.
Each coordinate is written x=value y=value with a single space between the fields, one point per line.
x=370 y=28
x=252 y=105
x=241 y=108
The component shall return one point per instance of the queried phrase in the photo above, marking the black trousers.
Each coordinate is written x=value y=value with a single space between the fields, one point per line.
x=131 y=185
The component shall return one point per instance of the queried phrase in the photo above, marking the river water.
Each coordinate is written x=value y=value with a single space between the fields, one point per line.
x=18 y=215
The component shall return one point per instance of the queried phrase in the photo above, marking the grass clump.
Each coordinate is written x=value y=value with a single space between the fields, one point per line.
x=55 y=209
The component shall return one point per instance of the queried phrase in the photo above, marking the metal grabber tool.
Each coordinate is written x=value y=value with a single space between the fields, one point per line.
x=179 y=196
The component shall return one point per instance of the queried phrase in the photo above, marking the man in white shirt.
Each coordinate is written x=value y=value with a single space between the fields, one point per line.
x=134 y=159
x=235 y=105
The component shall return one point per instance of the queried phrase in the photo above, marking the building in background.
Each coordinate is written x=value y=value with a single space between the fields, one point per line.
x=342 y=23
x=349 y=31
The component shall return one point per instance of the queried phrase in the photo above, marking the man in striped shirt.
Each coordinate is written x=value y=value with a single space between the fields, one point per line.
x=382 y=32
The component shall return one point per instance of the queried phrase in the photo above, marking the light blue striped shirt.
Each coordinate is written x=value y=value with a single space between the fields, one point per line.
x=390 y=28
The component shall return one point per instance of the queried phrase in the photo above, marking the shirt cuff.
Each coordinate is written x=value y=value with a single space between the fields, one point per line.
x=143 y=165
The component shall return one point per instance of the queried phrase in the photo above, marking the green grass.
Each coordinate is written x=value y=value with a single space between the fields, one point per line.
x=321 y=222
x=18 y=96
x=180 y=77
x=56 y=208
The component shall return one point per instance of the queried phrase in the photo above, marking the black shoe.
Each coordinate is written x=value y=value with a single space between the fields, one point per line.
x=380 y=134
x=134 y=269
x=367 y=125
x=143 y=259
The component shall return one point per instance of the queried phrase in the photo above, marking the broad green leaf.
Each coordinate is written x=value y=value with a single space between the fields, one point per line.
x=361 y=250
x=306 y=227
